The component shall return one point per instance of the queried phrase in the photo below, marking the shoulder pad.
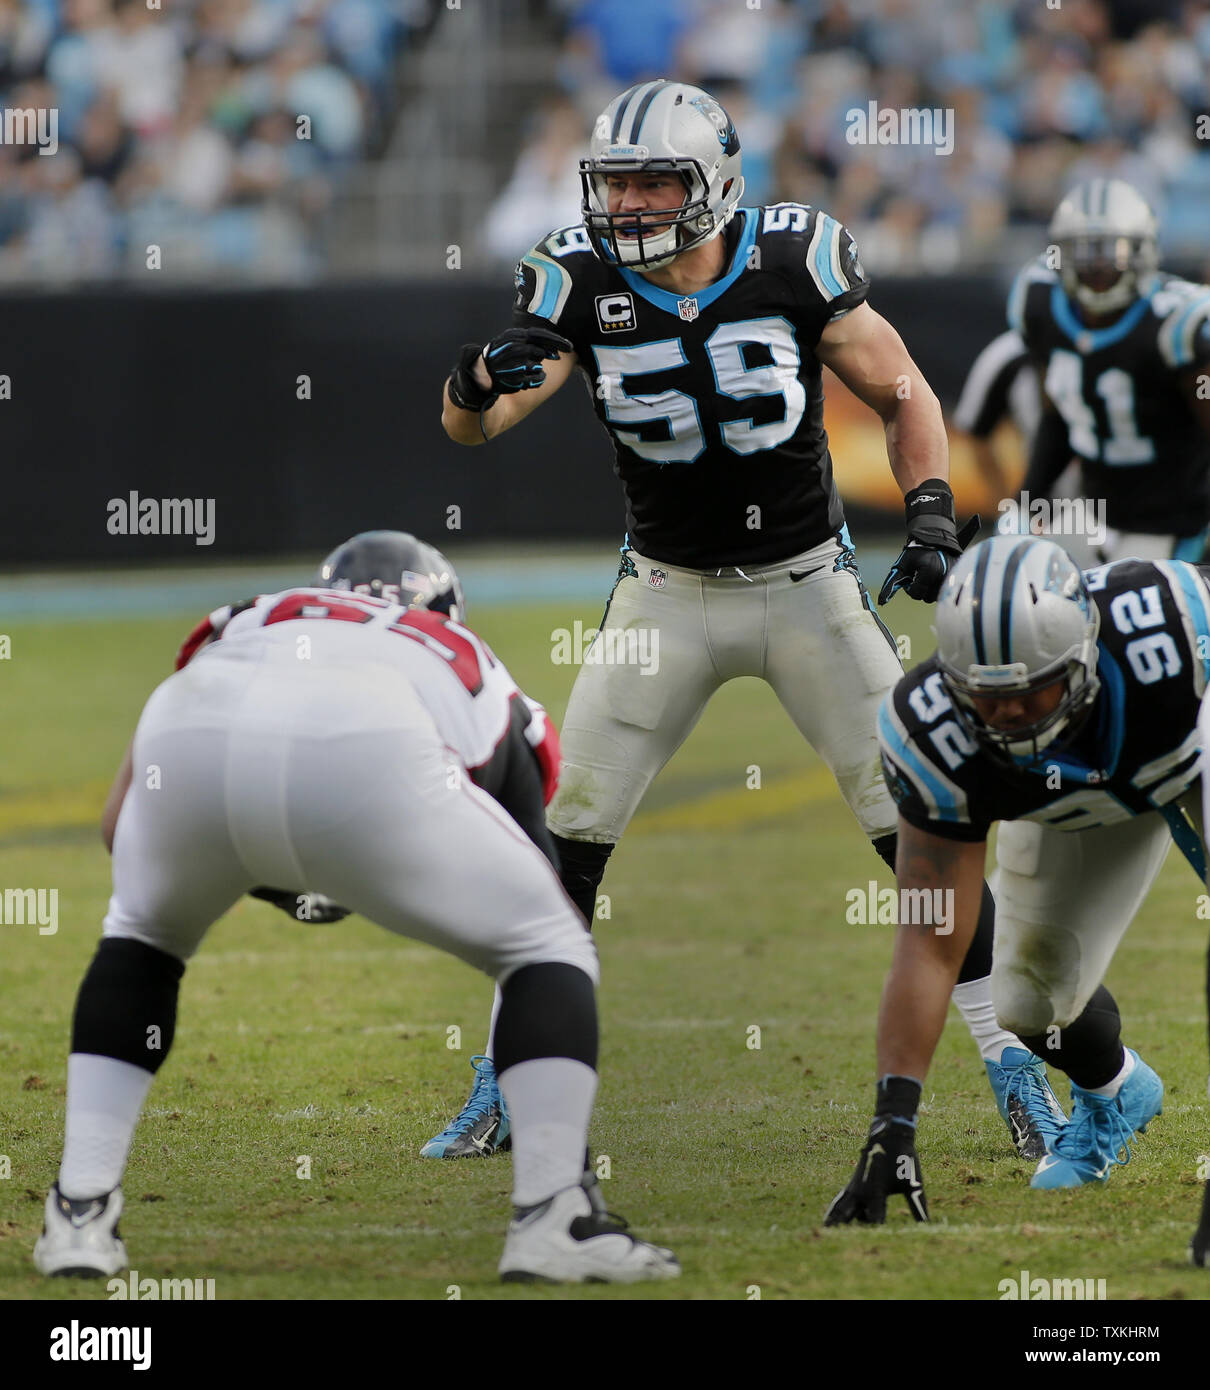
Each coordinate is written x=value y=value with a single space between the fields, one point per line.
x=1035 y=273
x=795 y=235
x=542 y=280
x=1184 y=310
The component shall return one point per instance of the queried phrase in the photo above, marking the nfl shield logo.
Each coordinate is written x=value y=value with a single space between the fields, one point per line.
x=687 y=308
x=657 y=579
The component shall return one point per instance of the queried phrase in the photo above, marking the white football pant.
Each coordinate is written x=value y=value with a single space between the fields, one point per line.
x=672 y=636
x=254 y=768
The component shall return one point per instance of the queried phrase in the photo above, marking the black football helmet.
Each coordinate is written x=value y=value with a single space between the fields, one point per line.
x=394 y=565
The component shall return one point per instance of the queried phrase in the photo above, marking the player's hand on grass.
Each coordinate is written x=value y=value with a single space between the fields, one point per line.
x=511 y=362
x=933 y=543
x=303 y=907
x=888 y=1165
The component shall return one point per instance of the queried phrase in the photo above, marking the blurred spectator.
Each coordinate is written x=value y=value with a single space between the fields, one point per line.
x=216 y=129
x=544 y=191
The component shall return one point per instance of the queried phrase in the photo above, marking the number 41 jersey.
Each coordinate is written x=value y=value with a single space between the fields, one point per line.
x=1138 y=750
x=713 y=400
x=1122 y=391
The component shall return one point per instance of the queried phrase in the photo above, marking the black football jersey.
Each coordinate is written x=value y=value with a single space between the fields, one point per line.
x=1119 y=390
x=714 y=401
x=1138 y=750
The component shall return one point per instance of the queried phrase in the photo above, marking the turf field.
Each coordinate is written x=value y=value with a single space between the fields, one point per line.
x=728 y=913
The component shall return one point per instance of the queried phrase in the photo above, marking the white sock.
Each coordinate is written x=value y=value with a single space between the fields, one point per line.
x=1111 y=1088
x=104 y=1097
x=489 y=1050
x=549 y=1103
x=974 y=1001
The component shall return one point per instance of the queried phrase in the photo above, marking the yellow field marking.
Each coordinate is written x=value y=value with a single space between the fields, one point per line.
x=738 y=806
x=56 y=808
x=62 y=808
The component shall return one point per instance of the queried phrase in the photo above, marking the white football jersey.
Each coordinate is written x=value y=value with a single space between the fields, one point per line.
x=476 y=705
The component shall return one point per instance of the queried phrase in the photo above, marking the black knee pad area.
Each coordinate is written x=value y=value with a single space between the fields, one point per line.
x=126 y=1007
x=547 y=1010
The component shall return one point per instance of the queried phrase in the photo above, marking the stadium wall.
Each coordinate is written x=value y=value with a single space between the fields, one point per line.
x=197 y=395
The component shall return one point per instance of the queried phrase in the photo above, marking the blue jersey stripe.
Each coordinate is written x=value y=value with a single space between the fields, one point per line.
x=1197 y=611
x=1174 y=330
x=823 y=254
x=899 y=749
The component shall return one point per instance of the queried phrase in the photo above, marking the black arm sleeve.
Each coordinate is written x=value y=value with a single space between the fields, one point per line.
x=1050 y=455
x=512 y=777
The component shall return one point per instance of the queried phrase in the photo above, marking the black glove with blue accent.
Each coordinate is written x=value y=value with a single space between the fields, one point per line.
x=888 y=1163
x=512 y=359
x=933 y=543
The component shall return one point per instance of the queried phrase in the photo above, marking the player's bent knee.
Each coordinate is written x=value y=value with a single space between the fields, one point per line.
x=126 y=1007
x=1021 y=1006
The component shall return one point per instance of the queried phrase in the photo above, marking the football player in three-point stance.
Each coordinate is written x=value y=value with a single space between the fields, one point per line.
x=1066 y=707
x=1122 y=350
x=352 y=737
x=701 y=327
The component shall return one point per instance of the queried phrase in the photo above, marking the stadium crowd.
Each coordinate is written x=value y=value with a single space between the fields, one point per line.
x=179 y=124
x=1040 y=97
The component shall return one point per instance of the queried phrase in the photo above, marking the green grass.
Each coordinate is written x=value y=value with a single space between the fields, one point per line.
x=331 y=1042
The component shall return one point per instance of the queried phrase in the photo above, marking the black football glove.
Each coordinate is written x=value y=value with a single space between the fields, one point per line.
x=888 y=1163
x=513 y=360
x=932 y=546
x=303 y=907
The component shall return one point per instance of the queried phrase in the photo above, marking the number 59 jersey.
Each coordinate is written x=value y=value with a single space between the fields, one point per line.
x=1137 y=751
x=713 y=400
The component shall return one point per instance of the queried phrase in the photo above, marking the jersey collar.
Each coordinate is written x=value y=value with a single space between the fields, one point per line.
x=1095 y=338
x=666 y=300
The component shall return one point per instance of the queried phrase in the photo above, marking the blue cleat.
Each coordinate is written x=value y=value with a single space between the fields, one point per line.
x=1028 y=1106
x=481 y=1128
x=1101 y=1129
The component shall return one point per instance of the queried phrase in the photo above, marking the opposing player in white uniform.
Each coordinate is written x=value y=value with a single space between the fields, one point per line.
x=702 y=328
x=354 y=738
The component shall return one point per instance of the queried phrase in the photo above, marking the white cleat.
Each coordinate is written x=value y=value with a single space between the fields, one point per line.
x=569 y=1239
x=80 y=1238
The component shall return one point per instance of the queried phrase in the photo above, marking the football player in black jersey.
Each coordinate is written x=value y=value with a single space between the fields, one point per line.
x=1123 y=352
x=1065 y=706
x=702 y=328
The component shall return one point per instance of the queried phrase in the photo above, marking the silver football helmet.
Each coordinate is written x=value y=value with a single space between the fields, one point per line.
x=1107 y=240
x=661 y=127
x=1014 y=616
